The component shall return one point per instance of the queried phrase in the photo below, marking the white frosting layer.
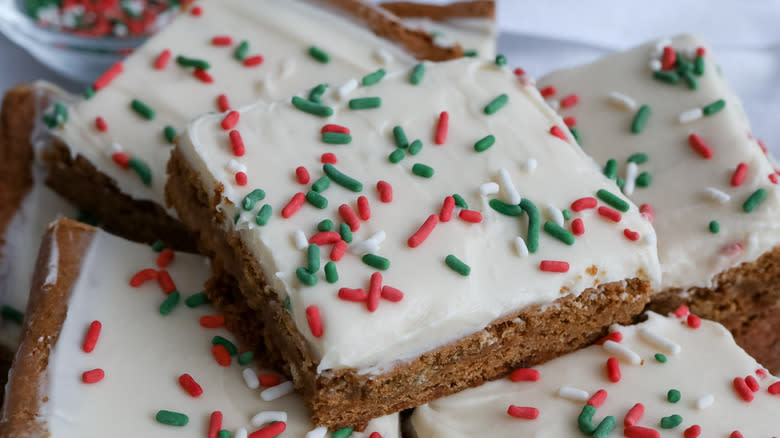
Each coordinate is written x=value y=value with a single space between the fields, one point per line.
x=690 y=254
x=280 y=31
x=702 y=372
x=475 y=35
x=143 y=354
x=439 y=305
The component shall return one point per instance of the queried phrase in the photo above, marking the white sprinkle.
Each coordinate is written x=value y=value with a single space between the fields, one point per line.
x=267 y=417
x=319 y=432
x=488 y=189
x=383 y=56
x=364 y=247
x=287 y=68
x=527 y=81
x=573 y=394
x=301 y=242
x=241 y=433
x=716 y=195
x=630 y=182
x=347 y=88
x=378 y=237
x=531 y=165
x=691 y=115
x=250 y=378
x=655 y=64
x=622 y=352
x=277 y=391
x=690 y=52
x=752 y=241
x=520 y=247
x=659 y=341
x=650 y=239
x=622 y=101
x=116 y=147
x=554 y=104
x=235 y=166
x=705 y=401
x=555 y=214
x=513 y=197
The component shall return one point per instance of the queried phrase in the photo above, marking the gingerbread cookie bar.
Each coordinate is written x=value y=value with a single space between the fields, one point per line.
x=412 y=238
x=106 y=352
x=664 y=123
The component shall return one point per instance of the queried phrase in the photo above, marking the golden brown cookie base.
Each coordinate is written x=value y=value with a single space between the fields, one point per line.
x=344 y=397
x=461 y=9
x=759 y=335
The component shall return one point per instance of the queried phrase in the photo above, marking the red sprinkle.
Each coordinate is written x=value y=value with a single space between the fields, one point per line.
x=162 y=59
x=472 y=216
x=739 y=175
x=364 y=209
x=761 y=373
x=268 y=380
x=100 y=124
x=774 y=388
x=253 y=61
x=558 y=132
x=385 y=191
x=692 y=432
x=302 y=175
x=348 y=215
x=221 y=355
x=269 y=431
x=647 y=212
x=294 y=205
x=446 y=209
x=212 y=321
x=190 y=385
x=762 y=146
x=752 y=383
x=699 y=146
x=374 y=292
x=598 y=398
x=121 y=159
x=524 y=375
x=142 y=277
x=681 y=311
x=631 y=235
x=329 y=157
x=570 y=121
x=736 y=434
x=325 y=238
x=613 y=370
x=526 y=413
x=742 y=389
x=165 y=281
x=442 y=127
x=215 y=424
x=614 y=337
x=230 y=120
x=335 y=128
x=570 y=101
x=519 y=71
x=694 y=321
x=584 y=204
x=577 y=227
x=668 y=59
x=237 y=142
x=610 y=213
x=241 y=178
x=392 y=294
x=93 y=334
x=222 y=40
x=108 y=76
x=338 y=250
x=701 y=51
x=197 y=11
x=93 y=376
x=375 y=435
x=203 y=76
x=634 y=415
x=773 y=178
x=315 y=322
x=640 y=432
x=354 y=295
x=423 y=232
x=222 y=103
x=547 y=91
x=553 y=266
x=165 y=258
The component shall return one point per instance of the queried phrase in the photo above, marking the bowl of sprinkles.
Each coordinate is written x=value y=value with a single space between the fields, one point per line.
x=82 y=38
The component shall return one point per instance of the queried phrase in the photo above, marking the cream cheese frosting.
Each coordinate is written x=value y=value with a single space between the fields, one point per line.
x=684 y=371
x=281 y=33
x=478 y=266
x=699 y=187
x=143 y=354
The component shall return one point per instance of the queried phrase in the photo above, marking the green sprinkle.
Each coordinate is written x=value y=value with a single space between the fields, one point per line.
x=640 y=119
x=342 y=179
x=325 y=225
x=8 y=313
x=576 y=134
x=661 y=358
x=229 y=346
x=170 y=134
x=331 y=272
x=417 y=74
x=504 y=208
x=415 y=147
x=246 y=357
x=566 y=214
x=613 y=200
x=316 y=199
x=251 y=199
x=496 y=104
x=422 y=170
x=89 y=93
x=683 y=65
x=321 y=184
x=196 y=300
x=60 y=113
x=236 y=218
x=457 y=265
x=224 y=434
x=342 y=433
x=312 y=108
x=714 y=107
x=754 y=200
x=611 y=168
x=690 y=80
x=620 y=183
x=142 y=109
x=714 y=227
x=185 y=61
x=559 y=232
x=264 y=214
x=313 y=258
x=500 y=60
x=142 y=170
x=170 y=303
x=585 y=419
x=638 y=158
x=459 y=201
x=534 y=224
x=345 y=232
x=241 y=51
x=171 y=418
x=471 y=53
x=158 y=246
x=400 y=137
x=50 y=120
x=671 y=421
x=644 y=179
x=673 y=396
x=606 y=426
x=396 y=156
x=485 y=143
x=319 y=54
x=306 y=277
x=336 y=138
x=376 y=261
x=669 y=77
x=365 y=103
x=88 y=218
x=315 y=95
x=287 y=304
x=373 y=78
x=698 y=66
